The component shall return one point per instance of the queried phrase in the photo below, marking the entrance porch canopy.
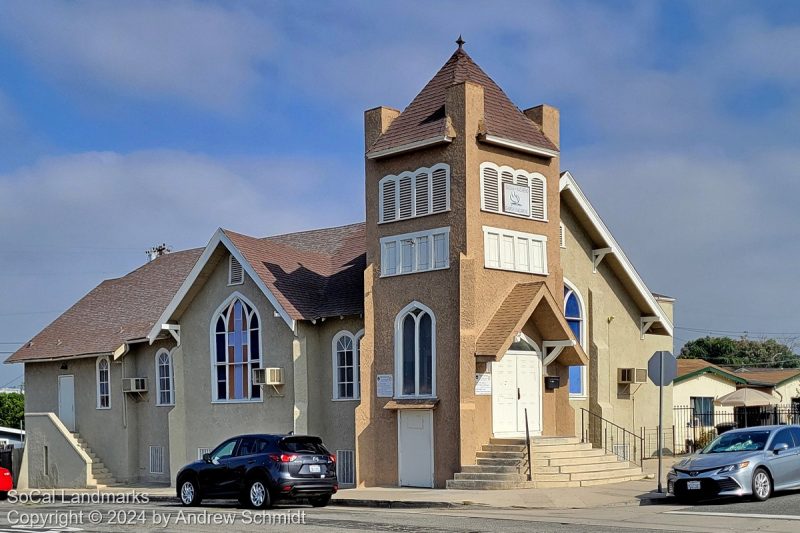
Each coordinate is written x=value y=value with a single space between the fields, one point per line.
x=531 y=301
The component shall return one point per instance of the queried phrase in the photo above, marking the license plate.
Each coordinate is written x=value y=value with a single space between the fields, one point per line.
x=693 y=485
x=316 y=469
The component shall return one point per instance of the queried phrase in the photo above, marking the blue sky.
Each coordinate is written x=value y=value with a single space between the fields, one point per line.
x=127 y=124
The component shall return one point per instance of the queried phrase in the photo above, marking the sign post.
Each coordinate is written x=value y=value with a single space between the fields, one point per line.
x=662 y=368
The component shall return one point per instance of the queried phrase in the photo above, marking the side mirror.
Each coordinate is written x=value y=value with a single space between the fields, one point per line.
x=782 y=447
x=207 y=457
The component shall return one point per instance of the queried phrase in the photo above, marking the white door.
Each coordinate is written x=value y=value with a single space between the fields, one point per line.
x=516 y=386
x=66 y=401
x=415 y=447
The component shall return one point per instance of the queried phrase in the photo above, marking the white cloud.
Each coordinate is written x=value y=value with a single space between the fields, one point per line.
x=200 y=52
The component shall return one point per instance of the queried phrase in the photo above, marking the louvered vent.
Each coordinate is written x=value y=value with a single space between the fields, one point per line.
x=201 y=452
x=345 y=467
x=562 y=235
x=441 y=186
x=421 y=190
x=491 y=194
x=406 y=202
x=537 y=199
x=156 y=459
x=235 y=272
x=389 y=201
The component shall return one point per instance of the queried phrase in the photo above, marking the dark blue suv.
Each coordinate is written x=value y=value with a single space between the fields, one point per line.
x=259 y=469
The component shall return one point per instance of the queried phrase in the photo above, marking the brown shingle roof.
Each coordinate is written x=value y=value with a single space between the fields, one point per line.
x=116 y=311
x=313 y=274
x=505 y=321
x=767 y=376
x=425 y=118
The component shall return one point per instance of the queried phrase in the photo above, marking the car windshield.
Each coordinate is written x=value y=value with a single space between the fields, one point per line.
x=739 y=441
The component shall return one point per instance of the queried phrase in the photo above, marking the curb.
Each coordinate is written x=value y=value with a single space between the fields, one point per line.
x=399 y=504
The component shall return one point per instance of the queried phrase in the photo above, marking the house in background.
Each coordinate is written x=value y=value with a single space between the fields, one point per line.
x=11 y=436
x=483 y=291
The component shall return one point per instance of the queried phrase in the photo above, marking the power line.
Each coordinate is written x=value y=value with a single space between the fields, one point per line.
x=745 y=332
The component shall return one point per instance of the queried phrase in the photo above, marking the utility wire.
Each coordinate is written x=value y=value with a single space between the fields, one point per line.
x=703 y=330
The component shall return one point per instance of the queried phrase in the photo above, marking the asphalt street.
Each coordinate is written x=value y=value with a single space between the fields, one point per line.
x=779 y=514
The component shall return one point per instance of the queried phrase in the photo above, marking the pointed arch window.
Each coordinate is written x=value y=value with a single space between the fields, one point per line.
x=165 y=385
x=346 y=366
x=237 y=351
x=415 y=352
x=575 y=315
x=103 y=383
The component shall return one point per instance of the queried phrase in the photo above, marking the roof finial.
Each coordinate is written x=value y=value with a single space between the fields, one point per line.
x=460 y=42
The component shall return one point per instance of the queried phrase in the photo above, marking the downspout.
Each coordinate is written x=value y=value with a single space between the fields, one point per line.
x=120 y=352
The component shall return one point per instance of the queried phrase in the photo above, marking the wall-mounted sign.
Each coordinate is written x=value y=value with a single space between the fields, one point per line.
x=517 y=199
x=483 y=384
x=385 y=388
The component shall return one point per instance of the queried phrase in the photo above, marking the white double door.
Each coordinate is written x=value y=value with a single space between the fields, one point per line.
x=516 y=386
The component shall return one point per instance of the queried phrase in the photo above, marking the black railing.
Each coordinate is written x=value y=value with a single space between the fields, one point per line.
x=695 y=428
x=528 y=445
x=602 y=433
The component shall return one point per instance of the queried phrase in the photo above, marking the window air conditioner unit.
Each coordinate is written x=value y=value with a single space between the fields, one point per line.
x=268 y=376
x=134 y=385
x=631 y=375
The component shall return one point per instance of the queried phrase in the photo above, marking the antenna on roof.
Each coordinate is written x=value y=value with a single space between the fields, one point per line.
x=460 y=42
x=157 y=251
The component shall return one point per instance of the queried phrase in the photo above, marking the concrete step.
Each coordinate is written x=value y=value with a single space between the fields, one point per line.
x=513 y=441
x=520 y=448
x=565 y=461
x=611 y=480
x=490 y=469
x=592 y=452
x=487 y=485
x=500 y=455
x=99 y=469
x=598 y=467
x=552 y=477
x=491 y=461
x=556 y=484
x=556 y=448
x=479 y=476
x=590 y=476
x=554 y=441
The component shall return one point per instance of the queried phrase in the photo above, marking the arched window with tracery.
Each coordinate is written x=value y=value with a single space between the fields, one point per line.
x=415 y=351
x=237 y=351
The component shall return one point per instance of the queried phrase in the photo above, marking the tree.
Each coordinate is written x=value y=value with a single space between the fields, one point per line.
x=741 y=352
x=12 y=409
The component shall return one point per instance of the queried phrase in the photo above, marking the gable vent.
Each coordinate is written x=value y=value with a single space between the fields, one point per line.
x=562 y=235
x=235 y=272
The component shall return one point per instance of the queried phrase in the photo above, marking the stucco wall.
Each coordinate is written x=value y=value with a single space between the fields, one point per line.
x=787 y=391
x=52 y=456
x=197 y=422
x=613 y=339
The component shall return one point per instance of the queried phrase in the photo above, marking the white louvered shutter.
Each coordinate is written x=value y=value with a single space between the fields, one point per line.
x=423 y=254
x=389 y=200
x=537 y=257
x=523 y=254
x=441 y=190
x=492 y=253
x=538 y=210
x=406 y=201
x=440 y=250
x=422 y=194
x=491 y=193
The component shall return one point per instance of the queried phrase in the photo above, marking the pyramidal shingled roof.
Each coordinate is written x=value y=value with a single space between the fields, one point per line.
x=425 y=118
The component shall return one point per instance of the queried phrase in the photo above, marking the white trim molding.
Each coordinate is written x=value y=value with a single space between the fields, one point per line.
x=430 y=141
x=398 y=350
x=98 y=390
x=568 y=185
x=355 y=338
x=218 y=238
x=519 y=146
x=598 y=255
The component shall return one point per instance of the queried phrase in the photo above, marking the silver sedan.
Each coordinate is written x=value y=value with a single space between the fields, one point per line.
x=741 y=462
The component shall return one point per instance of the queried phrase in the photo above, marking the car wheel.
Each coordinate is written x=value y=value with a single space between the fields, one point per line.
x=190 y=493
x=762 y=485
x=256 y=495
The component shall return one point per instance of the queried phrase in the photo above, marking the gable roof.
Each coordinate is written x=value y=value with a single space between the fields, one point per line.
x=116 y=312
x=425 y=118
x=306 y=275
x=689 y=368
x=574 y=197
x=772 y=377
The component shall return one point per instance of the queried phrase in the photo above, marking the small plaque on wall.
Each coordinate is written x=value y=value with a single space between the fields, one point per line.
x=517 y=199
x=385 y=386
x=483 y=384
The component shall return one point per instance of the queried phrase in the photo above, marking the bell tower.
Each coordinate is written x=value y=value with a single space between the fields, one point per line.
x=462 y=205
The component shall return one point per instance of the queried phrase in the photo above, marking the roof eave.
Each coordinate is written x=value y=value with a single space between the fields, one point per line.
x=518 y=146
x=567 y=183
x=416 y=145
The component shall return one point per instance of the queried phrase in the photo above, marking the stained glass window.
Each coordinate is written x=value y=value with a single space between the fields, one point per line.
x=237 y=351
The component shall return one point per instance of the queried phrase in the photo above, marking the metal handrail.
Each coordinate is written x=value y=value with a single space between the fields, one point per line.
x=528 y=445
x=618 y=435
